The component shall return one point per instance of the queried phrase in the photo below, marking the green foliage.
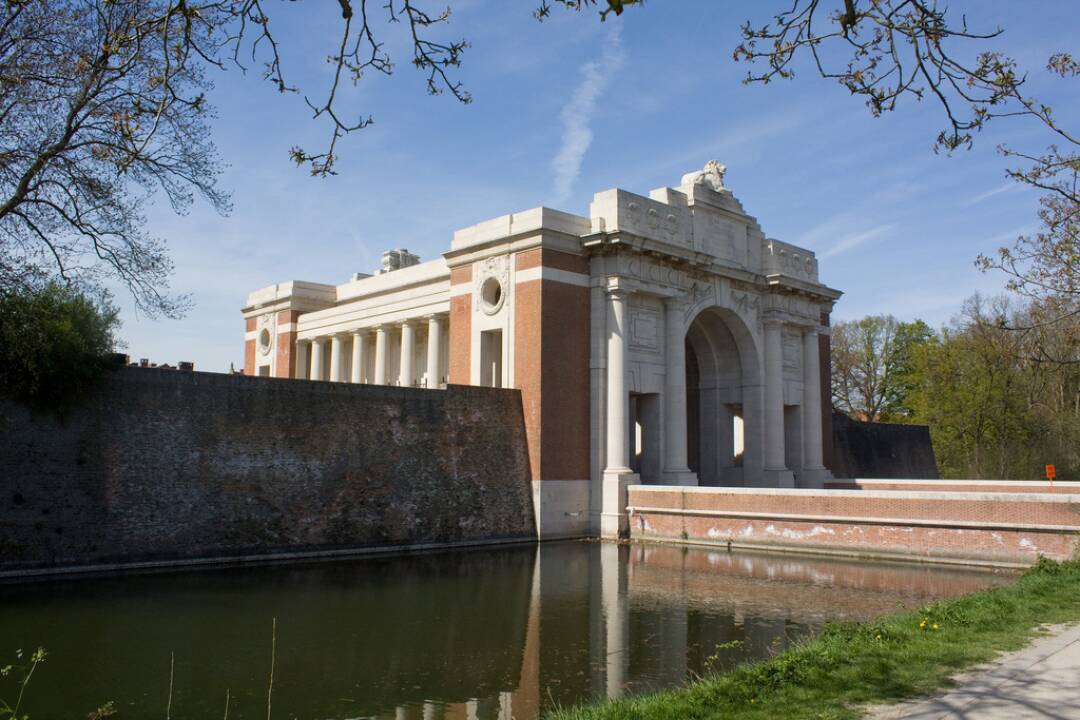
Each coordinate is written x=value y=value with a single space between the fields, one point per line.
x=872 y=361
x=22 y=670
x=853 y=664
x=999 y=387
x=54 y=344
x=997 y=406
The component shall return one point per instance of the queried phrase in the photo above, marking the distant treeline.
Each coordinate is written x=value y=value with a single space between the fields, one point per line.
x=999 y=385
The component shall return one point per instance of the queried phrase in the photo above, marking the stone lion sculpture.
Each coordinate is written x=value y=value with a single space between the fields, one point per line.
x=712 y=176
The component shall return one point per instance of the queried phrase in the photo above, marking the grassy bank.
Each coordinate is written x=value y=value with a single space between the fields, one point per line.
x=854 y=664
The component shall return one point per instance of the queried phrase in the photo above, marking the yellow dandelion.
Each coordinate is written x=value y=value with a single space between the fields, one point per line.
x=935 y=626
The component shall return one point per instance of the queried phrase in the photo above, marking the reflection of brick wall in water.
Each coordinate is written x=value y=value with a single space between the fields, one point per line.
x=881 y=450
x=803 y=588
x=168 y=465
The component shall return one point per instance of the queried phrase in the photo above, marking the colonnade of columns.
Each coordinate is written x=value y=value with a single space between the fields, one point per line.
x=311 y=354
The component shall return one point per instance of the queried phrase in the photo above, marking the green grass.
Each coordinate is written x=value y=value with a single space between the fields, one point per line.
x=850 y=665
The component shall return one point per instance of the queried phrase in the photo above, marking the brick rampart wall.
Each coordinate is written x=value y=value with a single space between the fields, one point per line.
x=166 y=465
x=1002 y=528
x=980 y=486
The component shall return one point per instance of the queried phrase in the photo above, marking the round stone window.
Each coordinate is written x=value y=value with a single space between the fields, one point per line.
x=491 y=295
x=264 y=341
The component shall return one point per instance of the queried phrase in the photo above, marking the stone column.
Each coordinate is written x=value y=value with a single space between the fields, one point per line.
x=317 y=346
x=434 y=347
x=676 y=471
x=358 y=347
x=408 y=345
x=337 y=352
x=776 y=473
x=617 y=473
x=814 y=473
x=302 y=349
x=382 y=350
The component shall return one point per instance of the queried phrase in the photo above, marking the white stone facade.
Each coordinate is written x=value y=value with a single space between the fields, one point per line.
x=661 y=340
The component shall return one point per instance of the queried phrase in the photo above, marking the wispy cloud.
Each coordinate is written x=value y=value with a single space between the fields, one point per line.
x=854 y=240
x=577 y=114
x=991 y=193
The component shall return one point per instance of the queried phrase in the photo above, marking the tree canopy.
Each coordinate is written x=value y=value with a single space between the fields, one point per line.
x=995 y=406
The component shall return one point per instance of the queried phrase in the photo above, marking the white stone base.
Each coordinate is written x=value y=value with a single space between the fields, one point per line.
x=562 y=508
x=775 y=479
x=684 y=478
x=614 y=522
x=814 y=478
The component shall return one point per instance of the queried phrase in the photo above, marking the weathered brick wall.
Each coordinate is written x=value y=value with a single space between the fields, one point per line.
x=980 y=527
x=881 y=450
x=168 y=465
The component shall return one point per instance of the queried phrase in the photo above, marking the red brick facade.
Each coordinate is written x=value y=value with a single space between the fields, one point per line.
x=551 y=361
x=285 y=362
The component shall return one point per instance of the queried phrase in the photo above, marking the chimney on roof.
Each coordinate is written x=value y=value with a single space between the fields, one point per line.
x=396 y=259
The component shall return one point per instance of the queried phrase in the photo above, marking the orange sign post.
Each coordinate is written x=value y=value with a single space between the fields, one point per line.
x=1051 y=473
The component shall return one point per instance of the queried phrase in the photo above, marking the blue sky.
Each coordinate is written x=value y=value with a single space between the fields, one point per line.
x=569 y=107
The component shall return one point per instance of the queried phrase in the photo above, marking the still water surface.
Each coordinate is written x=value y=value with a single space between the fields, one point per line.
x=483 y=634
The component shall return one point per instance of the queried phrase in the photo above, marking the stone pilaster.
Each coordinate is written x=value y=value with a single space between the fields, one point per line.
x=814 y=473
x=775 y=473
x=676 y=469
x=617 y=474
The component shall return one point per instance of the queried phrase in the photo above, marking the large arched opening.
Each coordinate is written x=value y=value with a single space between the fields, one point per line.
x=723 y=399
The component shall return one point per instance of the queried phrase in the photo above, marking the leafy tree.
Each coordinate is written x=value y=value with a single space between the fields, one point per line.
x=995 y=408
x=55 y=343
x=872 y=360
x=102 y=104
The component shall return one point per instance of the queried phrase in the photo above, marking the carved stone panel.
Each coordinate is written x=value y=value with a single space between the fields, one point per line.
x=267 y=333
x=796 y=307
x=491 y=284
x=792 y=349
x=644 y=329
x=651 y=219
x=746 y=304
x=720 y=236
x=651 y=271
x=790 y=260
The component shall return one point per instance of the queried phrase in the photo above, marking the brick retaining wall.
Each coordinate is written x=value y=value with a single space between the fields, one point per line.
x=981 y=486
x=981 y=527
x=177 y=466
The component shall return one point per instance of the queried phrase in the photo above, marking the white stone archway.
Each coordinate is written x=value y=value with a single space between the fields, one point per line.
x=723 y=398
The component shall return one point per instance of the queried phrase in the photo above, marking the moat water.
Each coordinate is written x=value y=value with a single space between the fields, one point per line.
x=486 y=634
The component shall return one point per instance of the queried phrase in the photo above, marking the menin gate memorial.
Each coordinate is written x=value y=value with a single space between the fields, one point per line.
x=661 y=340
